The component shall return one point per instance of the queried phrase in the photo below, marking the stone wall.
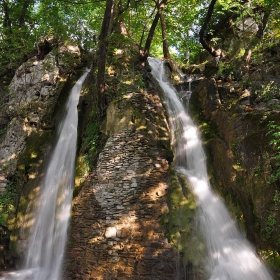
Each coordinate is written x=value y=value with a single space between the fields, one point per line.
x=117 y=222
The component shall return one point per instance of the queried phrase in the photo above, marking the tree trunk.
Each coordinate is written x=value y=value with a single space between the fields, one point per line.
x=102 y=52
x=166 y=53
x=144 y=29
x=145 y=53
x=206 y=45
x=23 y=12
x=7 y=21
x=120 y=22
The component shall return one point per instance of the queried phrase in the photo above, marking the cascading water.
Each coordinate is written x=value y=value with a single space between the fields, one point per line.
x=231 y=257
x=49 y=232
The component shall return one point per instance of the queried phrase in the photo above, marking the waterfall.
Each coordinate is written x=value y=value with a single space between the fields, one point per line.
x=49 y=233
x=230 y=256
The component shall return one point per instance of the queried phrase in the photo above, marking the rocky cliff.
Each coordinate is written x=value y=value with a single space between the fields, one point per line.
x=28 y=120
x=131 y=214
x=240 y=124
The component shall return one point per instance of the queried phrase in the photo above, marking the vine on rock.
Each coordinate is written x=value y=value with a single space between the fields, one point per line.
x=7 y=202
x=274 y=131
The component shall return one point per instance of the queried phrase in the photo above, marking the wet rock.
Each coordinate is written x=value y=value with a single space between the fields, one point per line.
x=33 y=93
x=240 y=152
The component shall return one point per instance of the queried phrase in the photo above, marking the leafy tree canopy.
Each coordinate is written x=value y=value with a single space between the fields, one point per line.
x=24 y=23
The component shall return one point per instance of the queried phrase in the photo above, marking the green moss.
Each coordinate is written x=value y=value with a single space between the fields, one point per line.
x=7 y=203
x=33 y=150
x=180 y=222
x=273 y=260
x=26 y=178
x=91 y=144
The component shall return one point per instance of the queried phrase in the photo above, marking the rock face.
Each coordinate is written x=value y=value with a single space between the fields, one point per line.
x=237 y=132
x=35 y=94
x=116 y=230
x=34 y=91
x=126 y=220
x=32 y=86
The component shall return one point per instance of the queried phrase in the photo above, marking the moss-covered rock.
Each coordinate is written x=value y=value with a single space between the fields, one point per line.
x=37 y=94
x=241 y=159
x=181 y=225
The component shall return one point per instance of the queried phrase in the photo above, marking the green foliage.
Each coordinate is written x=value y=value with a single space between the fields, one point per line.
x=228 y=5
x=257 y=170
x=90 y=148
x=270 y=226
x=7 y=202
x=267 y=91
x=226 y=70
x=274 y=132
x=272 y=258
x=271 y=230
x=91 y=138
x=182 y=29
x=59 y=20
x=80 y=21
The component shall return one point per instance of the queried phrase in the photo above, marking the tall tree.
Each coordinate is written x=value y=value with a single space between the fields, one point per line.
x=102 y=52
x=25 y=6
x=119 y=19
x=145 y=52
x=14 y=35
x=6 y=19
x=202 y=38
x=165 y=47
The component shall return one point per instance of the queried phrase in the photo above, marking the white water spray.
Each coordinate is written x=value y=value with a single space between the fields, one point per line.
x=231 y=257
x=49 y=232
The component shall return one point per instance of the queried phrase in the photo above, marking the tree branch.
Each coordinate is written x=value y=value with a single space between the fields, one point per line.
x=203 y=29
x=145 y=53
x=102 y=52
x=23 y=12
x=7 y=21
